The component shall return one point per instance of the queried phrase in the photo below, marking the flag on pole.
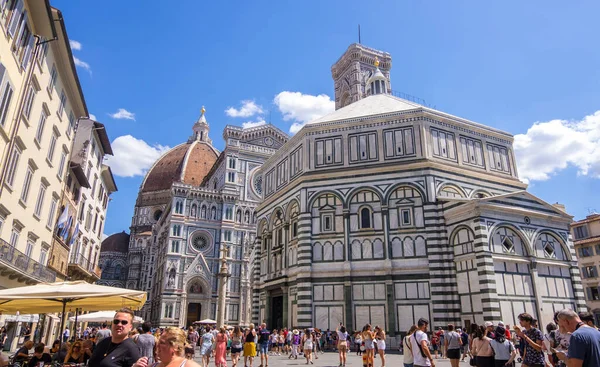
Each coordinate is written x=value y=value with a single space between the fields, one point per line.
x=64 y=216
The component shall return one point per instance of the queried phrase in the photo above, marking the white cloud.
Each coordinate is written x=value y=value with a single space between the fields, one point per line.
x=133 y=157
x=549 y=147
x=82 y=64
x=302 y=108
x=249 y=124
x=92 y=117
x=123 y=114
x=75 y=45
x=249 y=108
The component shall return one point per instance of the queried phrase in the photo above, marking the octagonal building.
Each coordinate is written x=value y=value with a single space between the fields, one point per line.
x=387 y=210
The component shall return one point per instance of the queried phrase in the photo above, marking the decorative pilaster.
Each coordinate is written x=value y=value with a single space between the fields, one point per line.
x=578 y=291
x=445 y=303
x=256 y=280
x=304 y=284
x=485 y=270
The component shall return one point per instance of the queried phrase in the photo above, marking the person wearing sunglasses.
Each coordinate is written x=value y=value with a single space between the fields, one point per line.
x=118 y=350
x=76 y=354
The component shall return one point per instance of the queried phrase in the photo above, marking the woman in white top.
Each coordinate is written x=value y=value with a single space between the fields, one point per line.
x=380 y=338
x=308 y=342
x=407 y=347
x=342 y=337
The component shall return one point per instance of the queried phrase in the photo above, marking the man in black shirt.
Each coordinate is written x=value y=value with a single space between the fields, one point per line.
x=23 y=352
x=39 y=356
x=118 y=350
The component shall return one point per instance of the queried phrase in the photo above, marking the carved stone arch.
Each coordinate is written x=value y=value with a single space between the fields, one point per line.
x=291 y=205
x=462 y=240
x=445 y=185
x=390 y=190
x=200 y=280
x=481 y=192
x=276 y=215
x=526 y=243
x=558 y=238
x=263 y=225
x=357 y=190
x=317 y=195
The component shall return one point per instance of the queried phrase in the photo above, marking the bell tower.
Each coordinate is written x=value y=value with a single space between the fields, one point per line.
x=353 y=70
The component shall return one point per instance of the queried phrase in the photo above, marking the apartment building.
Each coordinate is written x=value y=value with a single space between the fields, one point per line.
x=586 y=238
x=90 y=147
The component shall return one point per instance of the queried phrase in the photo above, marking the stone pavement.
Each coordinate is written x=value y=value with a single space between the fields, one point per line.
x=330 y=359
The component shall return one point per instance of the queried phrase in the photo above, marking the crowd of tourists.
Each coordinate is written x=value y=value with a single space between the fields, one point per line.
x=571 y=340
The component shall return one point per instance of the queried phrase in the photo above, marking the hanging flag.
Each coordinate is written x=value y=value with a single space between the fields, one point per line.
x=75 y=233
x=65 y=233
x=64 y=216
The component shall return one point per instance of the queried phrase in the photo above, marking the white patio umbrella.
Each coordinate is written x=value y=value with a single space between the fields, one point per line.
x=100 y=316
x=206 y=321
x=55 y=297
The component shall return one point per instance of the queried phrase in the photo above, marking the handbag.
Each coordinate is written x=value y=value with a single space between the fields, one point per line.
x=472 y=361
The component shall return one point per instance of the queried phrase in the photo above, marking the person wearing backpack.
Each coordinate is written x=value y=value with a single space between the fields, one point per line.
x=419 y=343
x=504 y=350
x=406 y=345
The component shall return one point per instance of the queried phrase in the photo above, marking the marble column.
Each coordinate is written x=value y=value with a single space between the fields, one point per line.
x=285 y=321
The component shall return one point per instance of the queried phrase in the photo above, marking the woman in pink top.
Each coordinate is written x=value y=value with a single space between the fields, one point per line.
x=221 y=348
x=482 y=350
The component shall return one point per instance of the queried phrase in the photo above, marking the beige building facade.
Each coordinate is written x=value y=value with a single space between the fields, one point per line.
x=41 y=183
x=586 y=238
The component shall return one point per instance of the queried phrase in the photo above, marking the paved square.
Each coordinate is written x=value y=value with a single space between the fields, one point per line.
x=330 y=359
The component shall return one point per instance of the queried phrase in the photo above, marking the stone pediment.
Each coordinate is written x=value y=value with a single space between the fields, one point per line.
x=198 y=268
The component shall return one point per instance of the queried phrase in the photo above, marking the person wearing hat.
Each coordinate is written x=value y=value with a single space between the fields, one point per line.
x=295 y=344
x=506 y=331
x=504 y=350
x=489 y=329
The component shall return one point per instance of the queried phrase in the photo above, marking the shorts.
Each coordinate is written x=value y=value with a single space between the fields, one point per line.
x=264 y=348
x=453 y=353
x=381 y=344
x=369 y=344
x=434 y=347
x=342 y=346
x=235 y=350
x=280 y=345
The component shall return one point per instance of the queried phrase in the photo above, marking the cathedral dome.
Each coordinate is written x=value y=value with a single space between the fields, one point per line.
x=188 y=163
x=118 y=242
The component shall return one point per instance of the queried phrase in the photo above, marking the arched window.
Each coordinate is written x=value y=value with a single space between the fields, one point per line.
x=365 y=218
x=317 y=252
x=213 y=213
x=203 y=212
x=193 y=211
x=238 y=216
x=117 y=272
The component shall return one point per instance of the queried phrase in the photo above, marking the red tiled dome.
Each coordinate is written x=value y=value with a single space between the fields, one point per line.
x=188 y=163
x=118 y=242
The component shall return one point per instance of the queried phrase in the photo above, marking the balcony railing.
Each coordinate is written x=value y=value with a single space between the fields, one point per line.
x=23 y=265
x=85 y=264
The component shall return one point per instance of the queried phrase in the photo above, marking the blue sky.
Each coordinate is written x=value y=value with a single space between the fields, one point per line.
x=508 y=64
